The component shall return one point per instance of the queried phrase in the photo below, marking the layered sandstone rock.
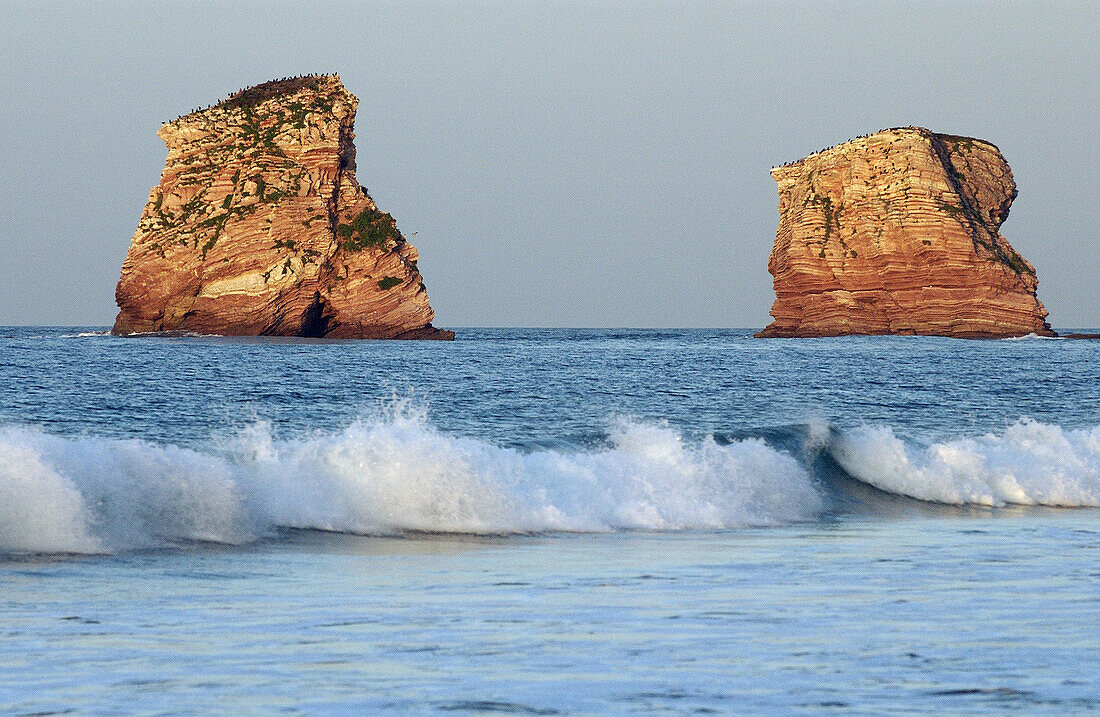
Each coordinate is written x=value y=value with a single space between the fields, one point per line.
x=897 y=233
x=258 y=227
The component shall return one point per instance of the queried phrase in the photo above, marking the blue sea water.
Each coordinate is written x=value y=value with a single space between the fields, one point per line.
x=548 y=521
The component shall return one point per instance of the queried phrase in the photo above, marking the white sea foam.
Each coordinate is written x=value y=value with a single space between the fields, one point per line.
x=383 y=475
x=1031 y=463
x=1033 y=337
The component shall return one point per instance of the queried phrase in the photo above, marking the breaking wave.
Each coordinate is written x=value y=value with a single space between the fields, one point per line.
x=1030 y=463
x=396 y=473
x=386 y=475
x=85 y=334
x=1033 y=337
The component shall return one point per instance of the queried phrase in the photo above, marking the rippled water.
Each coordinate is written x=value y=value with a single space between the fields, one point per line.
x=542 y=521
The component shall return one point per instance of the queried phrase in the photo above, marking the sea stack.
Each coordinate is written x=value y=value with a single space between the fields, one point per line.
x=897 y=233
x=258 y=227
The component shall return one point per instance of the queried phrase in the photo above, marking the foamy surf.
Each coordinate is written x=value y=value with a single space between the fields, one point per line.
x=1033 y=337
x=384 y=475
x=1030 y=463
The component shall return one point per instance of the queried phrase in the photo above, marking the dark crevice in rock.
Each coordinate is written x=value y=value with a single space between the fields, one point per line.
x=973 y=213
x=983 y=230
x=315 y=321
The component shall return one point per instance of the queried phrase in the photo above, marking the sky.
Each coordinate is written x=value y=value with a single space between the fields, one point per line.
x=557 y=164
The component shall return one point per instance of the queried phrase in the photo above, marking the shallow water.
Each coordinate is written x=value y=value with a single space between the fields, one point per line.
x=549 y=521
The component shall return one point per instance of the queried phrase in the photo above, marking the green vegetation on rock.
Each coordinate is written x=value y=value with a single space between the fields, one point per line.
x=371 y=228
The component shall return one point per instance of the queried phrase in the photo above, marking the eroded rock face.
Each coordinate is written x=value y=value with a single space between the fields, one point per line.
x=258 y=227
x=897 y=233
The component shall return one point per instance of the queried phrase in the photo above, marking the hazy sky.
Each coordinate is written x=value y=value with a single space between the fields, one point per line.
x=587 y=164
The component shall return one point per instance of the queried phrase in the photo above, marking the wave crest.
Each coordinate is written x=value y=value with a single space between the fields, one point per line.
x=388 y=474
x=1031 y=463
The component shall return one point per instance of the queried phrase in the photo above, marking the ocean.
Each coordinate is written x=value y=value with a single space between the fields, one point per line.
x=548 y=521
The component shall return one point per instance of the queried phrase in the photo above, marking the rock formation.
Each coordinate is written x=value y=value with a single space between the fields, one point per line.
x=897 y=233
x=258 y=227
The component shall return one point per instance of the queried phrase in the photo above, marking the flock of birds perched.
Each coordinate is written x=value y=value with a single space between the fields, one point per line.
x=315 y=76
x=850 y=139
x=240 y=92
